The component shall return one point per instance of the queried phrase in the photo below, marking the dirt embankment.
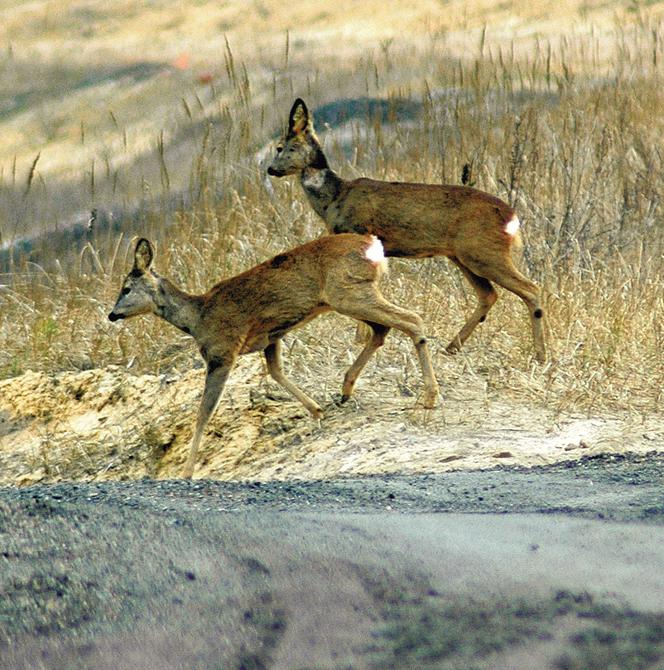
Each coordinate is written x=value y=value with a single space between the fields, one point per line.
x=109 y=424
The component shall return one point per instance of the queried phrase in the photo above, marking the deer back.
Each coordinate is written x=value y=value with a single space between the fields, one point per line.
x=289 y=289
x=419 y=220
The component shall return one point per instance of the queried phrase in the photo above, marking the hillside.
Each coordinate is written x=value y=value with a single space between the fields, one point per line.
x=107 y=106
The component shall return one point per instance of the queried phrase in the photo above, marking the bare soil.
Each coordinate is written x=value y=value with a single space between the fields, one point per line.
x=108 y=424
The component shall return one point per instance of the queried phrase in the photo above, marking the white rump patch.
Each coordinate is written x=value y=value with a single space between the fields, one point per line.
x=375 y=251
x=512 y=226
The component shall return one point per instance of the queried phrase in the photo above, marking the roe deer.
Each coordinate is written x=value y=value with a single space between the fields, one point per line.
x=475 y=230
x=254 y=310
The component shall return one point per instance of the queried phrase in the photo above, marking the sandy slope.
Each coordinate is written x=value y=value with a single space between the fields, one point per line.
x=109 y=424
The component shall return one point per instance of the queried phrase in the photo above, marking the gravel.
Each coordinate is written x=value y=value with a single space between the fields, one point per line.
x=459 y=570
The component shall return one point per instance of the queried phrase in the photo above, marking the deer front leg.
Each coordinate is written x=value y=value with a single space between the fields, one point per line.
x=217 y=373
x=273 y=357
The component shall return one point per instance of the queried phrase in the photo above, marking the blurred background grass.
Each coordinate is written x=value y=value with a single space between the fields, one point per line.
x=159 y=117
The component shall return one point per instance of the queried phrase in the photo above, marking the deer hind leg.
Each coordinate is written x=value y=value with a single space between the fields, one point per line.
x=486 y=296
x=378 y=334
x=370 y=306
x=217 y=374
x=273 y=357
x=507 y=276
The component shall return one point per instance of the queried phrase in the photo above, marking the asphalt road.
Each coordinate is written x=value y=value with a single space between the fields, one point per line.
x=557 y=567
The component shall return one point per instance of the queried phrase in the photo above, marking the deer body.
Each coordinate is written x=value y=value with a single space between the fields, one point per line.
x=476 y=230
x=254 y=310
x=412 y=220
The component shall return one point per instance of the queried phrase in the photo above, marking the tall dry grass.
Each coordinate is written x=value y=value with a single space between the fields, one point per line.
x=568 y=133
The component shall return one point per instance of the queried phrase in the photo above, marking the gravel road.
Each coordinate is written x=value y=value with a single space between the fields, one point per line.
x=553 y=567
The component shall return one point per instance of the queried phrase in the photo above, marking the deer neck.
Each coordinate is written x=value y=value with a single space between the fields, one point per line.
x=180 y=309
x=321 y=184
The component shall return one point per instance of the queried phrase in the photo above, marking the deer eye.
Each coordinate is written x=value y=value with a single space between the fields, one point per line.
x=125 y=290
x=280 y=148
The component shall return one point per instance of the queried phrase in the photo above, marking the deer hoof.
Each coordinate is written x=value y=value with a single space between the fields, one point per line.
x=453 y=348
x=430 y=399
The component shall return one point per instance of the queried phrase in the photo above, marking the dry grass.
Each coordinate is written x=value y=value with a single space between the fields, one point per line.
x=566 y=129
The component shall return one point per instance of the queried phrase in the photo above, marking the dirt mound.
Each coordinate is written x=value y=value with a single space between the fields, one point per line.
x=110 y=424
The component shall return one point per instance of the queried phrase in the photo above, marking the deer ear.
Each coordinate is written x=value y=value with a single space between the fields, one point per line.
x=299 y=119
x=143 y=255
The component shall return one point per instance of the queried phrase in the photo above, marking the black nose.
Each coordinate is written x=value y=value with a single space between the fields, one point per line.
x=113 y=316
x=274 y=173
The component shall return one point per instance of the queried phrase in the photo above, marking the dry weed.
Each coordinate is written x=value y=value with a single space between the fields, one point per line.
x=567 y=131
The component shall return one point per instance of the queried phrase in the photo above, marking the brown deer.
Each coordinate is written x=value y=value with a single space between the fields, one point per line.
x=475 y=230
x=254 y=310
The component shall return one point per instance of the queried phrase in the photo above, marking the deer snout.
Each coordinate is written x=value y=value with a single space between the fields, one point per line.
x=275 y=173
x=114 y=317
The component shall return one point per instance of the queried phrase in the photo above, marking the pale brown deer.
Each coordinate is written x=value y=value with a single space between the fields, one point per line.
x=475 y=230
x=254 y=310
